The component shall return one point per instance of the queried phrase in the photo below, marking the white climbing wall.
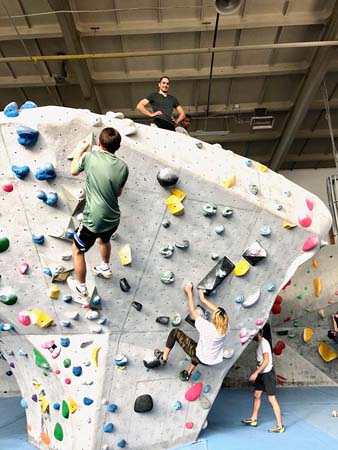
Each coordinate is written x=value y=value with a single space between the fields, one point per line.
x=68 y=398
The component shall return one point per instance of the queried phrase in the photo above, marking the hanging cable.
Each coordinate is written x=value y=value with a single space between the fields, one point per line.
x=329 y=121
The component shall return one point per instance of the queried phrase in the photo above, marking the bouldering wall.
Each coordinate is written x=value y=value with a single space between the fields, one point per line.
x=80 y=370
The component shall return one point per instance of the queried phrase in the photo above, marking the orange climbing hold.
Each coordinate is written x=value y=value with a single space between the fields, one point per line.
x=317 y=286
x=326 y=352
x=45 y=438
x=307 y=335
x=315 y=264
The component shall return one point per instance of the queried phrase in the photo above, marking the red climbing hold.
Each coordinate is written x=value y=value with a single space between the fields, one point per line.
x=7 y=187
x=194 y=392
x=276 y=308
x=279 y=299
x=189 y=425
x=278 y=348
x=286 y=285
x=310 y=203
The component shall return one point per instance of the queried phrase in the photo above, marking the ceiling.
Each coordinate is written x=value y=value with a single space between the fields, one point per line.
x=221 y=92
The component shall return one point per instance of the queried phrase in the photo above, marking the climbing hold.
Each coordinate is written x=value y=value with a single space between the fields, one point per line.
x=27 y=136
x=28 y=105
x=137 y=306
x=23 y=268
x=176 y=320
x=276 y=308
x=7 y=187
x=279 y=207
x=166 y=223
x=41 y=195
x=64 y=342
x=214 y=256
x=287 y=194
x=227 y=212
x=72 y=405
x=58 y=432
x=47 y=172
x=167 y=277
x=11 y=110
x=95 y=355
x=124 y=285
x=24 y=403
x=317 y=287
x=40 y=319
x=310 y=203
x=54 y=350
x=288 y=225
x=67 y=363
x=65 y=409
x=23 y=318
x=54 y=291
x=68 y=380
x=239 y=299
x=278 y=348
x=241 y=268
x=204 y=402
x=230 y=182
x=167 y=177
x=67 y=298
x=177 y=405
x=209 y=209
x=315 y=264
x=74 y=315
x=45 y=438
x=184 y=244
x=167 y=251
x=44 y=403
x=307 y=335
x=6 y=327
x=9 y=299
x=310 y=243
x=121 y=360
x=112 y=407
x=271 y=287
x=326 y=353
x=219 y=229
x=56 y=406
x=52 y=199
x=254 y=253
x=259 y=322
x=143 y=403
x=174 y=205
x=196 y=375
x=108 y=428
x=248 y=162
x=87 y=401
x=122 y=443
x=253 y=189
x=92 y=315
x=252 y=299
x=194 y=392
x=189 y=425
x=4 y=243
x=125 y=255
x=265 y=230
x=304 y=220
x=206 y=388
x=40 y=360
x=262 y=168
x=38 y=239
x=228 y=353
x=20 y=171
x=77 y=371
x=22 y=352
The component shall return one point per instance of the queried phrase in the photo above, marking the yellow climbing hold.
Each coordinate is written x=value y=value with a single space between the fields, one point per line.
x=262 y=168
x=229 y=182
x=95 y=355
x=315 y=264
x=125 y=254
x=288 y=225
x=175 y=205
x=326 y=352
x=54 y=291
x=179 y=194
x=40 y=319
x=44 y=404
x=72 y=405
x=307 y=335
x=317 y=286
x=241 y=268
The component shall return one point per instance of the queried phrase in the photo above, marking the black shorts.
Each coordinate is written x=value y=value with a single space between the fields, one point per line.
x=84 y=239
x=166 y=124
x=266 y=382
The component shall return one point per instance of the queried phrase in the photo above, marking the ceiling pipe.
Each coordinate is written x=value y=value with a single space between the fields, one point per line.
x=212 y=63
x=188 y=51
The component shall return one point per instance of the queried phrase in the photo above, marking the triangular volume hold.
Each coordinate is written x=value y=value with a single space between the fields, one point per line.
x=255 y=253
x=76 y=199
x=216 y=275
x=87 y=140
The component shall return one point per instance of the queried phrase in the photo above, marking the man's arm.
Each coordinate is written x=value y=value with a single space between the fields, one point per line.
x=74 y=168
x=141 y=106
x=192 y=309
x=181 y=113
x=335 y=327
x=208 y=304
x=260 y=369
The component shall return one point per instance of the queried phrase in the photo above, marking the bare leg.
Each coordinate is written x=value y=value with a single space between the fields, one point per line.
x=79 y=265
x=276 y=409
x=105 y=251
x=166 y=352
x=256 y=404
x=191 y=368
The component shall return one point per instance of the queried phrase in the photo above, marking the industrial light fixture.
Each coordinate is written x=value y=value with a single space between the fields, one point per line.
x=225 y=7
x=261 y=120
x=209 y=133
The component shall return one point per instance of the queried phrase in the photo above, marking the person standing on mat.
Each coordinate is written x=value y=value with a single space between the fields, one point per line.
x=106 y=176
x=264 y=380
x=209 y=348
x=162 y=105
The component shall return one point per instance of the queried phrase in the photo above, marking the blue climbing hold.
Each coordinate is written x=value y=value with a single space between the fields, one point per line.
x=121 y=360
x=177 y=405
x=70 y=233
x=41 y=195
x=108 y=428
x=239 y=299
x=196 y=375
x=52 y=199
x=38 y=238
x=47 y=271
x=27 y=136
x=248 y=162
x=20 y=171
x=67 y=298
x=122 y=443
x=265 y=230
x=24 y=403
x=56 y=406
x=11 y=110
x=28 y=105
x=271 y=287
x=22 y=352
x=64 y=342
x=47 y=172
x=77 y=371
x=87 y=401
x=6 y=327
x=112 y=407
x=65 y=323
x=206 y=388
x=96 y=300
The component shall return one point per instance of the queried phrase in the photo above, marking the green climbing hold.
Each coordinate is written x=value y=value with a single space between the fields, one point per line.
x=294 y=284
x=65 y=409
x=307 y=309
x=40 y=360
x=10 y=299
x=308 y=271
x=4 y=244
x=67 y=363
x=58 y=432
x=295 y=323
x=305 y=288
x=299 y=296
x=291 y=335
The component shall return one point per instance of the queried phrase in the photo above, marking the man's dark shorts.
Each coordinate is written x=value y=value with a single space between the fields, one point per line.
x=266 y=382
x=84 y=239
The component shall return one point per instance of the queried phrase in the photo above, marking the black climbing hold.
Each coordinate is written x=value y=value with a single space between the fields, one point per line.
x=124 y=285
x=167 y=177
x=163 y=320
x=152 y=364
x=282 y=332
x=255 y=253
x=137 y=306
x=216 y=275
x=143 y=403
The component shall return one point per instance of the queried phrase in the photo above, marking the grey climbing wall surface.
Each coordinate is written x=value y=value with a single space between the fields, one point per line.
x=66 y=362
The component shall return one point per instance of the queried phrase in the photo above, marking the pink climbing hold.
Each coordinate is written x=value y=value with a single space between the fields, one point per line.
x=310 y=243
x=189 y=425
x=23 y=268
x=310 y=203
x=57 y=371
x=259 y=322
x=194 y=392
x=304 y=220
x=7 y=187
x=243 y=340
x=68 y=380
x=23 y=318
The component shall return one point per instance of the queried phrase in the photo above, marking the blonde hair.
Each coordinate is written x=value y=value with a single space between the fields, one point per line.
x=221 y=321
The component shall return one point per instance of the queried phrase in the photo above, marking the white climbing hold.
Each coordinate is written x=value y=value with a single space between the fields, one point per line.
x=96 y=329
x=252 y=299
x=74 y=315
x=228 y=353
x=92 y=315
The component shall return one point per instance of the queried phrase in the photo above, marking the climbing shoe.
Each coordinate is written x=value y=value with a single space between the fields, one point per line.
x=103 y=273
x=159 y=355
x=250 y=422
x=151 y=364
x=277 y=429
x=184 y=375
x=73 y=285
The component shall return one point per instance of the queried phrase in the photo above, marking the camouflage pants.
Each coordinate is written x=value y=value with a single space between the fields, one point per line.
x=187 y=344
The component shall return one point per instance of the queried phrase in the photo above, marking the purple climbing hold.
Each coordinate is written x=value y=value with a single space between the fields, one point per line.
x=12 y=365
x=34 y=398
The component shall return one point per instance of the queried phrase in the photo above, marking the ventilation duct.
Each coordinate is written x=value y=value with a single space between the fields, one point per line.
x=225 y=7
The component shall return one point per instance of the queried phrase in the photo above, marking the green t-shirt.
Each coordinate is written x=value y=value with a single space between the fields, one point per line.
x=105 y=177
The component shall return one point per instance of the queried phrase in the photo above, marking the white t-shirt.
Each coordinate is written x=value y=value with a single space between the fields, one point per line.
x=264 y=347
x=181 y=130
x=209 y=349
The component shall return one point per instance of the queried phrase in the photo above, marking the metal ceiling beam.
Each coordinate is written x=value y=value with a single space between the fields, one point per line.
x=309 y=89
x=73 y=45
